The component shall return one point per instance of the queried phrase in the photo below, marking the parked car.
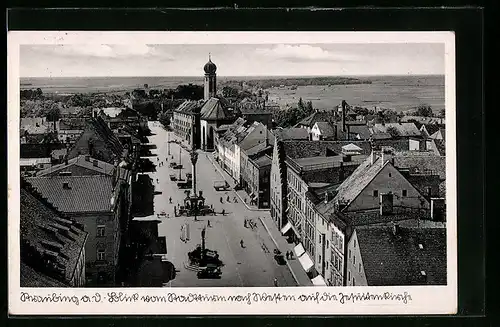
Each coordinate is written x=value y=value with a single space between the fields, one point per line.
x=210 y=272
x=173 y=177
x=177 y=166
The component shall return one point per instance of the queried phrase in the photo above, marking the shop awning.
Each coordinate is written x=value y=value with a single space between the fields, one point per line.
x=306 y=262
x=299 y=250
x=318 y=281
x=286 y=228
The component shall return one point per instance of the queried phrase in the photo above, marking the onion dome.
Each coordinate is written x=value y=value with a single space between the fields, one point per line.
x=210 y=67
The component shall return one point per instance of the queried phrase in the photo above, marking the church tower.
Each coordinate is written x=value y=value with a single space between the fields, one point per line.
x=210 y=88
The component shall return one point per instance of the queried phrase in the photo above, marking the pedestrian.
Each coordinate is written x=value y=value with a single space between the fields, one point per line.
x=245 y=223
x=291 y=255
x=276 y=282
x=287 y=256
x=223 y=212
x=227 y=199
x=208 y=224
x=241 y=243
x=157 y=181
x=170 y=199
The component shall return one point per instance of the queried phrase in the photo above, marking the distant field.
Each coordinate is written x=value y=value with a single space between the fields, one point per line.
x=399 y=94
x=396 y=92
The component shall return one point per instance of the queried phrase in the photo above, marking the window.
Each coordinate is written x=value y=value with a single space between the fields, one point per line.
x=319 y=258
x=354 y=260
x=101 y=254
x=349 y=253
x=354 y=243
x=349 y=275
x=390 y=175
x=359 y=267
x=101 y=230
x=327 y=244
x=353 y=281
x=341 y=245
x=326 y=265
x=375 y=192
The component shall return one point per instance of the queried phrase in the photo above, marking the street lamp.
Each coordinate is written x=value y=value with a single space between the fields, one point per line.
x=168 y=142
x=194 y=159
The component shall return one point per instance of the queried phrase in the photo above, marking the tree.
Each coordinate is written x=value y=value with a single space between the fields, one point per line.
x=164 y=119
x=301 y=104
x=393 y=131
x=442 y=113
x=424 y=111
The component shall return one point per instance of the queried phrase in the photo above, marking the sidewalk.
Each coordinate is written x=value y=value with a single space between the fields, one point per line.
x=232 y=183
x=294 y=265
x=279 y=241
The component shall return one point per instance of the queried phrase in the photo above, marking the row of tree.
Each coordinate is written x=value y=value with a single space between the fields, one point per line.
x=291 y=116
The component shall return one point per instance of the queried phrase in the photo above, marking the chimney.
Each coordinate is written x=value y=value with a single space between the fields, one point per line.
x=66 y=186
x=87 y=158
x=96 y=163
x=395 y=229
x=382 y=157
x=327 y=198
x=372 y=157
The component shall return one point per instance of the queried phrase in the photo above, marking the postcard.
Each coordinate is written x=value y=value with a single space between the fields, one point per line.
x=231 y=173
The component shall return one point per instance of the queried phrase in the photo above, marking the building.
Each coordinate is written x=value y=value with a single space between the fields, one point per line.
x=423 y=120
x=255 y=164
x=256 y=111
x=395 y=130
x=184 y=119
x=396 y=256
x=98 y=141
x=34 y=164
x=52 y=244
x=70 y=129
x=285 y=150
x=34 y=125
x=322 y=131
x=214 y=113
x=307 y=178
x=210 y=81
x=429 y=129
x=100 y=203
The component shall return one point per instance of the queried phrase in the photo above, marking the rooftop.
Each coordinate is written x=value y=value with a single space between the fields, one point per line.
x=325 y=129
x=214 y=109
x=293 y=133
x=304 y=148
x=317 y=116
x=396 y=260
x=188 y=106
x=263 y=161
x=82 y=193
x=47 y=232
x=81 y=161
x=421 y=163
x=404 y=129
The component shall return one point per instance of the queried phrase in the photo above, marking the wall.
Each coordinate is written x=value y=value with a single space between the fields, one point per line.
x=414 y=145
x=388 y=180
x=355 y=271
x=315 y=133
x=110 y=242
x=276 y=188
x=100 y=150
x=263 y=177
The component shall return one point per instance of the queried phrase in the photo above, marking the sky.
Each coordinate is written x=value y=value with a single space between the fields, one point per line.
x=89 y=60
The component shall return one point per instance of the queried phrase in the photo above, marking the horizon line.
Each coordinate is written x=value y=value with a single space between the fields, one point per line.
x=201 y=77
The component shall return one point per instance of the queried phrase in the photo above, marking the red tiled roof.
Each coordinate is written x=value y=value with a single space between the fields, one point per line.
x=85 y=193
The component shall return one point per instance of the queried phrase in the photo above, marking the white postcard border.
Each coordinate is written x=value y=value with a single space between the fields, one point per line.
x=218 y=301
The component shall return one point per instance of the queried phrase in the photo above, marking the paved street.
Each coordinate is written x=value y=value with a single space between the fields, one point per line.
x=253 y=265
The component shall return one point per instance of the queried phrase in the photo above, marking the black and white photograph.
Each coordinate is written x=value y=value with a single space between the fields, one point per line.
x=280 y=163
